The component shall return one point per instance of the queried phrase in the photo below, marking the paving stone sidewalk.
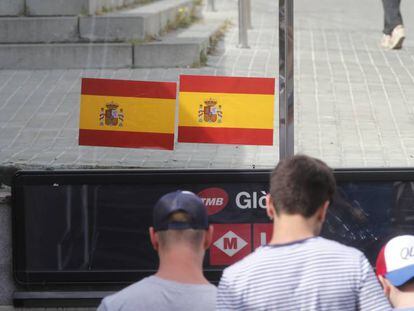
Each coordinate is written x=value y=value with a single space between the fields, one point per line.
x=354 y=101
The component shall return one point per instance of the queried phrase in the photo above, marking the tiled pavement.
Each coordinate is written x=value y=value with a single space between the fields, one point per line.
x=353 y=101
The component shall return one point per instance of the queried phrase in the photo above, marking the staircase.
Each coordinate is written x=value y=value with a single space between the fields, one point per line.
x=62 y=34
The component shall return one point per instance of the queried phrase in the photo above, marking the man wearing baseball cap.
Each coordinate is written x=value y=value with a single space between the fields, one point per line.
x=395 y=270
x=180 y=235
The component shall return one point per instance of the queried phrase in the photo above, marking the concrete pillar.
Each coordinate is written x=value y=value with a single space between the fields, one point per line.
x=6 y=279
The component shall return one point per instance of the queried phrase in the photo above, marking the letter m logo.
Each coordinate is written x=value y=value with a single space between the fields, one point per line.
x=230 y=243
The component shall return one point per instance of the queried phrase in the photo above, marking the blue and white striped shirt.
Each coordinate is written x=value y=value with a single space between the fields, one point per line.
x=311 y=274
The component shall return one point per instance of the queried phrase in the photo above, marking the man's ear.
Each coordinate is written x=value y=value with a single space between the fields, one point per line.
x=323 y=210
x=385 y=285
x=154 y=238
x=270 y=209
x=208 y=237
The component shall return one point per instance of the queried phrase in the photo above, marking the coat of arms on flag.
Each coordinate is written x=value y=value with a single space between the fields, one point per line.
x=210 y=111
x=133 y=114
x=110 y=115
x=226 y=110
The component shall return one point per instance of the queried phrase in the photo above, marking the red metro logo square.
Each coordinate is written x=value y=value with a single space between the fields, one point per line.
x=262 y=233
x=231 y=242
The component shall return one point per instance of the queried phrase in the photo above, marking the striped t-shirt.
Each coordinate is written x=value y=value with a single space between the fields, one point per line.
x=311 y=274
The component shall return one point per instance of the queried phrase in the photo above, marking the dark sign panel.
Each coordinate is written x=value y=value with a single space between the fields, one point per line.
x=92 y=226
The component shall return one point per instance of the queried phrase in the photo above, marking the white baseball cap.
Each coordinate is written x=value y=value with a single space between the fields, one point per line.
x=395 y=261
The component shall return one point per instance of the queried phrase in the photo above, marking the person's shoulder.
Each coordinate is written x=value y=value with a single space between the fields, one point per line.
x=116 y=300
x=156 y=292
x=339 y=254
x=334 y=246
x=244 y=264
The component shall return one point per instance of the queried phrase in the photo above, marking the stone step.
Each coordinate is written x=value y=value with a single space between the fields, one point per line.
x=183 y=48
x=72 y=7
x=135 y=24
x=39 y=29
x=102 y=6
x=58 y=7
x=127 y=25
x=66 y=56
x=11 y=7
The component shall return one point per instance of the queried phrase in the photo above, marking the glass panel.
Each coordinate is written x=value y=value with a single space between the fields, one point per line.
x=354 y=99
x=50 y=45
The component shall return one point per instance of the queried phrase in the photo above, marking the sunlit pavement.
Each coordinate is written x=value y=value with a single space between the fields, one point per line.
x=353 y=101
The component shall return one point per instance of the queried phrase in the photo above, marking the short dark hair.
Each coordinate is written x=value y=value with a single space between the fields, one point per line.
x=300 y=185
x=192 y=237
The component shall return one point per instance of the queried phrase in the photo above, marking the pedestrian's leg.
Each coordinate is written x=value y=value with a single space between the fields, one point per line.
x=394 y=32
x=392 y=15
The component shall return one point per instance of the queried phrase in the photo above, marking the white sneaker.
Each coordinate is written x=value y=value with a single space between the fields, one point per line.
x=386 y=41
x=397 y=37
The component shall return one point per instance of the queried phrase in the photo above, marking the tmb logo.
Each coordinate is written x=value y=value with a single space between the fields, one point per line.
x=215 y=199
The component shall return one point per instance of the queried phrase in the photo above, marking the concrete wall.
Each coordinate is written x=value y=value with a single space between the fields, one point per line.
x=6 y=280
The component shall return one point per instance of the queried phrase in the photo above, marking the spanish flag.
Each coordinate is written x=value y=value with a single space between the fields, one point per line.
x=132 y=114
x=226 y=110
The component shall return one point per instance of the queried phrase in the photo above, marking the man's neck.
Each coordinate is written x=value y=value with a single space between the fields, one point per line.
x=291 y=228
x=181 y=265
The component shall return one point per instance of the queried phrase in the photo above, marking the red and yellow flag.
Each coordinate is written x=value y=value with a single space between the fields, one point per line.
x=226 y=110
x=134 y=114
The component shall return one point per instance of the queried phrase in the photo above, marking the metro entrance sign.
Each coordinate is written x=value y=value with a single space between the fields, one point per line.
x=97 y=229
